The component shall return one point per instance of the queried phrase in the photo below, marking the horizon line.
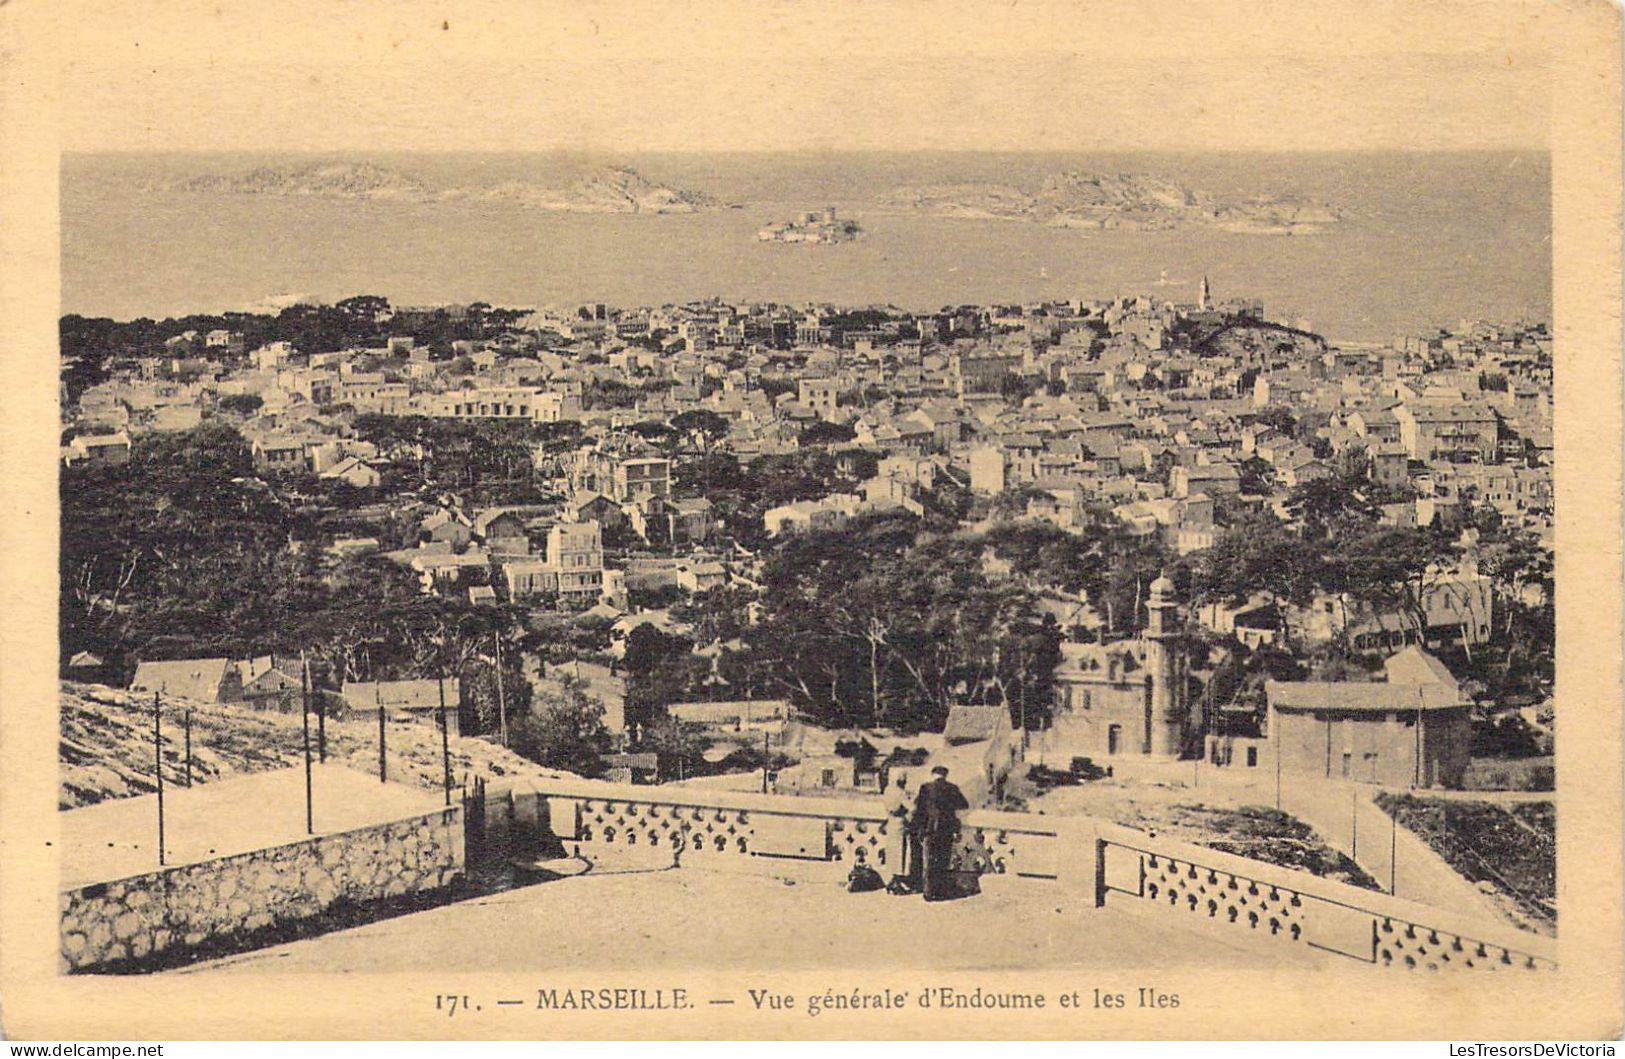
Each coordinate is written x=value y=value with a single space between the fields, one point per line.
x=1544 y=148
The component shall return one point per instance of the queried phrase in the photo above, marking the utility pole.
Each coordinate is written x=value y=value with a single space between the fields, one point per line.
x=1416 y=777
x=158 y=763
x=321 y=712
x=377 y=700
x=445 y=735
x=186 y=726
x=304 y=717
x=765 y=761
x=502 y=699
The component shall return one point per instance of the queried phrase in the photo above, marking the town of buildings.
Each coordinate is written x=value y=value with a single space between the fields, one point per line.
x=1171 y=415
x=1173 y=419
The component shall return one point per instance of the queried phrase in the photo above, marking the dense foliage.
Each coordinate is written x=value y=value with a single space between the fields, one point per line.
x=183 y=553
x=91 y=344
x=879 y=623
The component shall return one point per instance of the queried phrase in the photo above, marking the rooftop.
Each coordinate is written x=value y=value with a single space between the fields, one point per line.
x=1352 y=695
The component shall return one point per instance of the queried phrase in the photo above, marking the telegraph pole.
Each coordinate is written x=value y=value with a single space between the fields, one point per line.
x=158 y=763
x=502 y=698
x=445 y=735
x=377 y=700
x=321 y=713
x=304 y=717
x=1416 y=777
x=186 y=726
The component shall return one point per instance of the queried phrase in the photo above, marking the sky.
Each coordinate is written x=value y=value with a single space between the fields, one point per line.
x=1194 y=75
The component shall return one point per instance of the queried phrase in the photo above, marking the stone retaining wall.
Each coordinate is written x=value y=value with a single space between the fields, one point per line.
x=192 y=905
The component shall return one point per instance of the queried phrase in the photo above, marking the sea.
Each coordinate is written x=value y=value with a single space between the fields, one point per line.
x=1430 y=238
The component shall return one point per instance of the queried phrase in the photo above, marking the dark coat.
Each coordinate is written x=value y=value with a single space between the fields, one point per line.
x=936 y=808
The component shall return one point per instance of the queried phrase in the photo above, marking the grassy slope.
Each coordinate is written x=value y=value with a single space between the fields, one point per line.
x=1513 y=848
x=106 y=746
x=1258 y=832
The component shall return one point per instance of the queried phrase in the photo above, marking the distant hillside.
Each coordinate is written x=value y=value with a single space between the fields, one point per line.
x=962 y=200
x=1254 y=337
x=616 y=189
x=348 y=180
x=1121 y=201
x=106 y=746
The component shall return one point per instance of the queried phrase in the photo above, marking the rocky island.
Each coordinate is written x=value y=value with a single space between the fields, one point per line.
x=811 y=227
x=1132 y=202
x=614 y=189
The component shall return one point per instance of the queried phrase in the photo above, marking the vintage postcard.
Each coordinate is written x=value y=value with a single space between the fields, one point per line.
x=969 y=520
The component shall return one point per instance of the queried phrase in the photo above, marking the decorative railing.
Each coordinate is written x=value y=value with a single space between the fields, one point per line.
x=1102 y=863
x=1020 y=844
x=697 y=827
x=1299 y=908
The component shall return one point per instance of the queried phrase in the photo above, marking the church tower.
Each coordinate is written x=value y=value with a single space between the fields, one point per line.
x=1204 y=295
x=1165 y=721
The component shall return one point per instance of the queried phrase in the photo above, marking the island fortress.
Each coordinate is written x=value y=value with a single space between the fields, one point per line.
x=820 y=226
x=1128 y=697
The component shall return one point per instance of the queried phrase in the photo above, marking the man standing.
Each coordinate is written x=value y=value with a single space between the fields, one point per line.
x=936 y=820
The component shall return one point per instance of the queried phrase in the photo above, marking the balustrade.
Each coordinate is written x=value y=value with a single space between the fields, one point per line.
x=1102 y=863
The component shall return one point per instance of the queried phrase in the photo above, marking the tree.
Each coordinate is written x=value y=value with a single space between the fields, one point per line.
x=823 y=432
x=678 y=746
x=1277 y=418
x=242 y=404
x=875 y=623
x=485 y=702
x=658 y=671
x=1257 y=477
x=565 y=730
x=1258 y=554
x=1322 y=500
x=364 y=307
x=1390 y=567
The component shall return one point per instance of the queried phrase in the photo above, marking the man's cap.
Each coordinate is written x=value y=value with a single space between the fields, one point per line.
x=940 y=770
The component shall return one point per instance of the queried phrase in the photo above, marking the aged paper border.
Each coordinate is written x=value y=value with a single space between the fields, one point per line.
x=1581 y=1001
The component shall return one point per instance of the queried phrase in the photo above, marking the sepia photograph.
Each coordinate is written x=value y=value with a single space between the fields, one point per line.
x=591 y=502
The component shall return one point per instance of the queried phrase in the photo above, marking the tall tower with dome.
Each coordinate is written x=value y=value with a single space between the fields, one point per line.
x=1166 y=721
x=1128 y=697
